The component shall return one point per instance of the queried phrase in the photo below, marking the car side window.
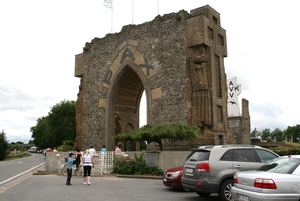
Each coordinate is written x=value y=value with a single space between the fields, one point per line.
x=227 y=156
x=245 y=155
x=265 y=155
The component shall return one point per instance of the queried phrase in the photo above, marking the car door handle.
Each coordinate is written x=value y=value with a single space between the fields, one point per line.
x=238 y=166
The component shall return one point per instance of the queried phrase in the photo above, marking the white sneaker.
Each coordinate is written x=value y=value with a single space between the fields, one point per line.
x=84 y=182
x=89 y=183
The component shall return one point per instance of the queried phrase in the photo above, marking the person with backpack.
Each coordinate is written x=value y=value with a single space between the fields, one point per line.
x=77 y=158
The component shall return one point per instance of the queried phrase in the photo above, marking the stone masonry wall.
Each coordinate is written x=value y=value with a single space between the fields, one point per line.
x=162 y=42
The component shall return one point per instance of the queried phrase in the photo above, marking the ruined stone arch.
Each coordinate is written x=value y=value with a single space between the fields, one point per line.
x=161 y=57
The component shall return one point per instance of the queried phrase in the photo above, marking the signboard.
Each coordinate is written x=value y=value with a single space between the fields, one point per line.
x=152 y=159
x=234 y=90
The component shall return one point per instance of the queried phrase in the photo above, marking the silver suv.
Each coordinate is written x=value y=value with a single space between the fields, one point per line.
x=210 y=169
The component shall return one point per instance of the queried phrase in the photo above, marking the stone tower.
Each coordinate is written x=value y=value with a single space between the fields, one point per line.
x=177 y=59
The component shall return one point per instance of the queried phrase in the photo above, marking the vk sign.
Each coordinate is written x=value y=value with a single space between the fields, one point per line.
x=234 y=90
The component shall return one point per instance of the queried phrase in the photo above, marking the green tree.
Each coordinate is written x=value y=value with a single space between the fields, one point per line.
x=58 y=126
x=40 y=133
x=278 y=134
x=157 y=132
x=266 y=134
x=62 y=122
x=3 y=146
x=294 y=132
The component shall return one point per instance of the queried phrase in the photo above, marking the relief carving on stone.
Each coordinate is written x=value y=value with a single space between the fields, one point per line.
x=117 y=123
x=201 y=98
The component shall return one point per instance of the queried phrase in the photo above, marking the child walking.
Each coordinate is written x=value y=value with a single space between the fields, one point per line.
x=69 y=169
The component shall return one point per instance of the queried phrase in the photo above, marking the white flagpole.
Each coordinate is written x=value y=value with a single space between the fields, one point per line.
x=157 y=7
x=109 y=3
x=112 y=14
x=132 y=11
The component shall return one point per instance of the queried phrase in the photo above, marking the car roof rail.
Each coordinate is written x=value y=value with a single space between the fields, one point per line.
x=239 y=145
x=224 y=146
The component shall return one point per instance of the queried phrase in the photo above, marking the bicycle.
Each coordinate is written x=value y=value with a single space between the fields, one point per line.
x=75 y=172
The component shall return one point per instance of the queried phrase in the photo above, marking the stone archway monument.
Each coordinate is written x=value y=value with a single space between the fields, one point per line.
x=177 y=59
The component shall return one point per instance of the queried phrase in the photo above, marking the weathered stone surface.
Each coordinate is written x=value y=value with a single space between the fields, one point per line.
x=178 y=59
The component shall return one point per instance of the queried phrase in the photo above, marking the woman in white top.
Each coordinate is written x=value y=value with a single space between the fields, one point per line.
x=88 y=164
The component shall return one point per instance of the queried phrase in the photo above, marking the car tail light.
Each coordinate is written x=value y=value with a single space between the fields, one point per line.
x=203 y=167
x=264 y=183
x=235 y=179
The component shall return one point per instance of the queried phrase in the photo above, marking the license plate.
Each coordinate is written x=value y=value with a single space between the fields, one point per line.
x=243 y=198
x=189 y=170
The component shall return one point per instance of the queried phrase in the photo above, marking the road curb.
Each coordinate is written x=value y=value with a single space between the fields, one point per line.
x=41 y=172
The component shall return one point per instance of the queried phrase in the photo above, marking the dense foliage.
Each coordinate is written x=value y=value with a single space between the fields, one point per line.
x=52 y=130
x=291 y=132
x=3 y=146
x=157 y=132
x=126 y=166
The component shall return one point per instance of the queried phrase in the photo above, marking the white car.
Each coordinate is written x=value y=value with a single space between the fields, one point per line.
x=278 y=180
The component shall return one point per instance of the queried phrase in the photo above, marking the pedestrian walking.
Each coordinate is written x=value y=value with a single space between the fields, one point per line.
x=69 y=169
x=92 y=151
x=88 y=164
x=77 y=158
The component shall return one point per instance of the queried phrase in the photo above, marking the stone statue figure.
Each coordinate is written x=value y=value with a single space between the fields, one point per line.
x=201 y=98
x=117 y=123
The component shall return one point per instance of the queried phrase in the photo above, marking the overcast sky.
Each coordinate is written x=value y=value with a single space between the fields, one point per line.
x=40 y=38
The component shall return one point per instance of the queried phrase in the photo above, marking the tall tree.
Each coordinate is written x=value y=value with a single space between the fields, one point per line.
x=62 y=122
x=3 y=146
x=293 y=132
x=278 y=134
x=40 y=133
x=266 y=134
x=57 y=127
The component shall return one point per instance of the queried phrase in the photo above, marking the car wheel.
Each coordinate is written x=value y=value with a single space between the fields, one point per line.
x=225 y=194
x=203 y=194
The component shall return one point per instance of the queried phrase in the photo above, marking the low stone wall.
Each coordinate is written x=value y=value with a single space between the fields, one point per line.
x=167 y=159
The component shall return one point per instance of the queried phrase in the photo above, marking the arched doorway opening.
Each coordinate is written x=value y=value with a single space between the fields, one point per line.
x=125 y=104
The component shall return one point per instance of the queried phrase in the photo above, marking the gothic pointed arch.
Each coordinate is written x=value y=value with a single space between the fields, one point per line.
x=129 y=78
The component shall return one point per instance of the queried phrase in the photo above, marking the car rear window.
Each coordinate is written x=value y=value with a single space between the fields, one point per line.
x=200 y=156
x=280 y=165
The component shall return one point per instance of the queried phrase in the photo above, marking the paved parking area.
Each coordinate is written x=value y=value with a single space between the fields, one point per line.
x=109 y=187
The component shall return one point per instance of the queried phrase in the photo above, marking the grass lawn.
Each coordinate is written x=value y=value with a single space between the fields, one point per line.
x=11 y=157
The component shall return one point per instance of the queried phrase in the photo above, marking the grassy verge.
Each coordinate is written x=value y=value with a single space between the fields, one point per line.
x=9 y=158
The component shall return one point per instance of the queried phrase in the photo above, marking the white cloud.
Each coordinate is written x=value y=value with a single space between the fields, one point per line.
x=39 y=41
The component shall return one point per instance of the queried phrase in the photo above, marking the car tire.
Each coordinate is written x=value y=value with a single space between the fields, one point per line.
x=224 y=193
x=203 y=194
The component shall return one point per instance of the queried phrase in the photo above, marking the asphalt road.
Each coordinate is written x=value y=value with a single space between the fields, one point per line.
x=36 y=187
x=108 y=188
x=15 y=167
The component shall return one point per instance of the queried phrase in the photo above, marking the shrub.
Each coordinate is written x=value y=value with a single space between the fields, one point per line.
x=126 y=166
